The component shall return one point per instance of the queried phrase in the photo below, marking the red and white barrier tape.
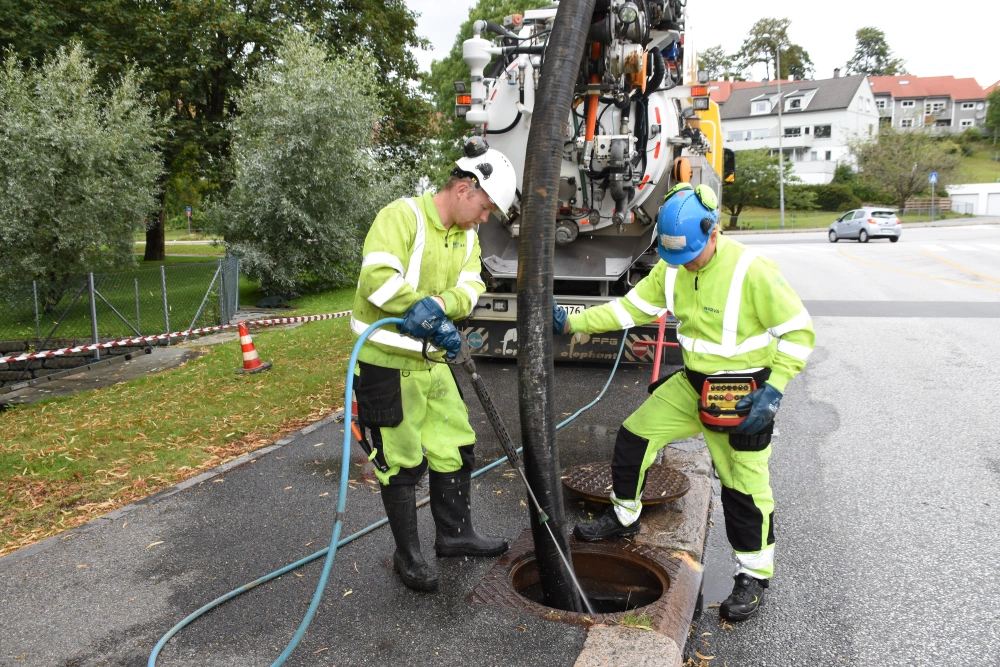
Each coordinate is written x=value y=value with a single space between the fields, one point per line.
x=190 y=332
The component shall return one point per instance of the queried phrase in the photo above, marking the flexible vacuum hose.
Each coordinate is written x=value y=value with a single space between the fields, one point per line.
x=564 y=53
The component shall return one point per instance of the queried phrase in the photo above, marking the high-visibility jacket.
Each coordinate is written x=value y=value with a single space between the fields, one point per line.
x=409 y=255
x=736 y=313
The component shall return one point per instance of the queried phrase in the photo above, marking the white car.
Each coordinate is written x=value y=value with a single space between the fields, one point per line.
x=867 y=223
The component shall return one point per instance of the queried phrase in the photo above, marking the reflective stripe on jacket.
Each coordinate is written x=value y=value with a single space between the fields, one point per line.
x=409 y=255
x=737 y=313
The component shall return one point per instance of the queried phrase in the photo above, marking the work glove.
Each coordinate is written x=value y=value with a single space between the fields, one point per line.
x=446 y=338
x=423 y=319
x=763 y=404
x=426 y=319
x=558 y=319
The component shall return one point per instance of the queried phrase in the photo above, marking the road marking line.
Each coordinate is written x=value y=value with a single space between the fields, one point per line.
x=918 y=275
x=959 y=246
x=962 y=268
x=936 y=248
x=991 y=246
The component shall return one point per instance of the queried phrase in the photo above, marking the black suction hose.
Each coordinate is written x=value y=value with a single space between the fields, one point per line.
x=536 y=246
x=656 y=78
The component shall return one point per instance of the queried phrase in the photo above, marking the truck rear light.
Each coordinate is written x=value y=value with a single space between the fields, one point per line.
x=463 y=99
x=699 y=91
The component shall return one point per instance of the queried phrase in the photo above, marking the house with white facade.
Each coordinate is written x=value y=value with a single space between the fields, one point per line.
x=817 y=120
x=940 y=103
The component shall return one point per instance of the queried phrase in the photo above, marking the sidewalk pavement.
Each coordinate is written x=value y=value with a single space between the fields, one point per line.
x=106 y=592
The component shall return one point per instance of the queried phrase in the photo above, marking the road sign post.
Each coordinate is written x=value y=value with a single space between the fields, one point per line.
x=933 y=180
x=188 y=210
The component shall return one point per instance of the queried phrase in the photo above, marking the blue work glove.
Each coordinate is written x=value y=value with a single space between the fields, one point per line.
x=765 y=403
x=446 y=338
x=423 y=319
x=558 y=319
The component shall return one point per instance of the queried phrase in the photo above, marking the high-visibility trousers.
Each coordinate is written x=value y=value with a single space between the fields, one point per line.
x=671 y=413
x=417 y=419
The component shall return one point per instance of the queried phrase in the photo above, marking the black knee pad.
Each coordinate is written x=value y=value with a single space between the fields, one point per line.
x=744 y=520
x=630 y=449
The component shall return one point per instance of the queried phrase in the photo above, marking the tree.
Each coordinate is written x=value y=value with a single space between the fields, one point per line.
x=439 y=85
x=756 y=184
x=197 y=56
x=872 y=55
x=719 y=65
x=900 y=162
x=307 y=180
x=764 y=40
x=992 y=120
x=79 y=169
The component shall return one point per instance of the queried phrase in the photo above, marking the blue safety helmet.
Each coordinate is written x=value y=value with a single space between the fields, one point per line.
x=685 y=222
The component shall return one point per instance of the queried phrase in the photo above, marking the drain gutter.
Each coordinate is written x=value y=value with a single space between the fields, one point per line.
x=535 y=371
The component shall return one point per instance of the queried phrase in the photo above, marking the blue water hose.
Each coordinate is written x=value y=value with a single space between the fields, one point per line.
x=331 y=551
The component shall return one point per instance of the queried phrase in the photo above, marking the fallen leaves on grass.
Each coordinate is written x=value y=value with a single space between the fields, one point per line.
x=66 y=461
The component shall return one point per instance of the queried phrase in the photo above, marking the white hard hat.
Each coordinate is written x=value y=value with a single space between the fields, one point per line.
x=492 y=171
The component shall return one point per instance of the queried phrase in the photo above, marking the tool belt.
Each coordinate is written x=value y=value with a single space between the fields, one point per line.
x=718 y=396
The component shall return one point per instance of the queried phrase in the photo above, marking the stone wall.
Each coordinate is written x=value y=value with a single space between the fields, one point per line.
x=22 y=371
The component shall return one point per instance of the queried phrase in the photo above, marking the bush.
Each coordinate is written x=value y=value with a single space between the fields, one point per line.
x=78 y=167
x=833 y=196
x=307 y=183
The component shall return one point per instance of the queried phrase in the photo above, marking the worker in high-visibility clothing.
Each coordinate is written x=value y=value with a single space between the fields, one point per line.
x=422 y=260
x=736 y=316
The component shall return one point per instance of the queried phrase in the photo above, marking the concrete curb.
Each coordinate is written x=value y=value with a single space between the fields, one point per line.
x=249 y=457
x=680 y=526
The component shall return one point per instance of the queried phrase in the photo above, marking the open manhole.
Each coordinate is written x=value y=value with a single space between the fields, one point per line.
x=592 y=481
x=619 y=578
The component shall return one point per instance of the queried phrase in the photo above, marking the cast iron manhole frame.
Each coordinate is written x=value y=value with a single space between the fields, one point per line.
x=671 y=613
x=592 y=481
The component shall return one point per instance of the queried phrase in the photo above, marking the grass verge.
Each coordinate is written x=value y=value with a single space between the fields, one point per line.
x=68 y=460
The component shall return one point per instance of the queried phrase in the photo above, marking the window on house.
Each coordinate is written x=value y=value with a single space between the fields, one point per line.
x=944 y=122
x=762 y=106
x=968 y=122
x=761 y=133
x=967 y=106
x=742 y=135
x=822 y=131
x=805 y=130
x=906 y=122
x=793 y=131
x=934 y=107
x=829 y=155
x=907 y=104
x=813 y=156
x=795 y=104
x=879 y=104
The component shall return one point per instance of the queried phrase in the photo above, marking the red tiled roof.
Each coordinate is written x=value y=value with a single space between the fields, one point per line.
x=927 y=86
x=720 y=91
x=990 y=89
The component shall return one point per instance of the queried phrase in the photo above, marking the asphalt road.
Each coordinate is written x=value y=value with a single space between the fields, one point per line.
x=886 y=466
x=886 y=472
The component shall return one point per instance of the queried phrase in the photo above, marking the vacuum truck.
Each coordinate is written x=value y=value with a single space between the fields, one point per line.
x=636 y=129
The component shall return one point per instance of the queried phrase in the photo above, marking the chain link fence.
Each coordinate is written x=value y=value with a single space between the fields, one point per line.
x=122 y=304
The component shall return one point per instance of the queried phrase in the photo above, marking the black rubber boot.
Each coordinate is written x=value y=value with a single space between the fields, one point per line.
x=607 y=527
x=401 y=510
x=451 y=506
x=745 y=598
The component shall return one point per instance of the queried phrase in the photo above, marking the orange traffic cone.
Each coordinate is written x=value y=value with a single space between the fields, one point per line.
x=251 y=360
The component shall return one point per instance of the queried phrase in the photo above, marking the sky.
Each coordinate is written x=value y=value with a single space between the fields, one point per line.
x=932 y=40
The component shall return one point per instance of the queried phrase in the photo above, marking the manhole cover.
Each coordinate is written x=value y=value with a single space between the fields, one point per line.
x=593 y=482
